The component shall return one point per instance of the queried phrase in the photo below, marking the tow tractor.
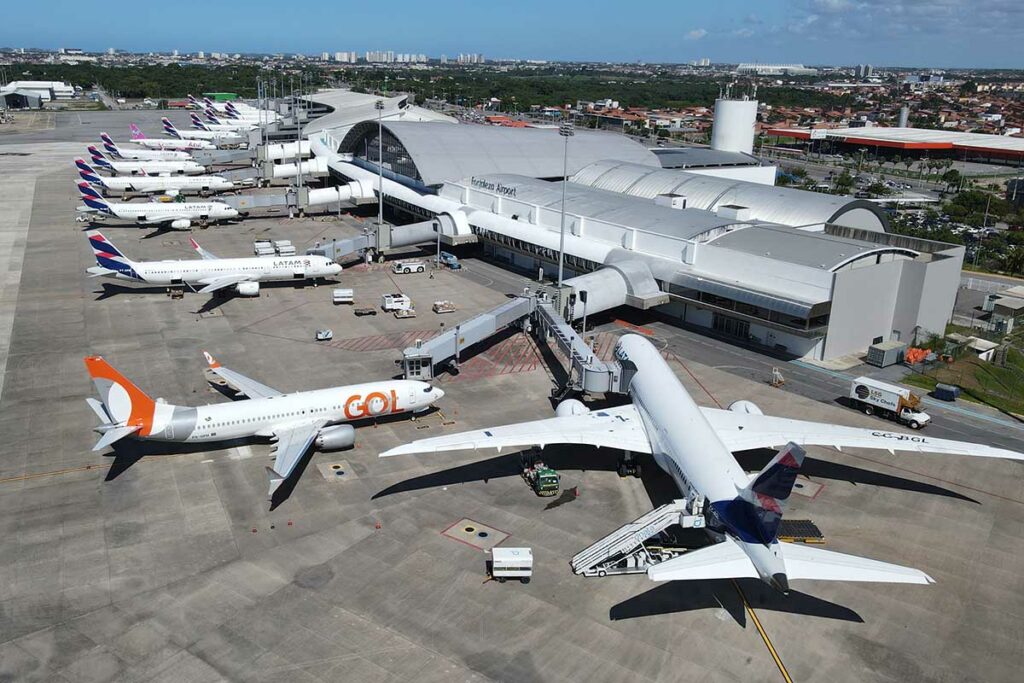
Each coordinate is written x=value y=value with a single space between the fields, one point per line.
x=542 y=479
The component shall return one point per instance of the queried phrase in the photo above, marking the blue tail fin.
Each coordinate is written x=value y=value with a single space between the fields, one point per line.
x=88 y=174
x=109 y=256
x=93 y=199
x=98 y=158
x=755 y=515
x=169 y=128
x=108 y=144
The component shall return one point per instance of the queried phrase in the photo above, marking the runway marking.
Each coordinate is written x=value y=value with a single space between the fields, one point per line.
x=764 y=634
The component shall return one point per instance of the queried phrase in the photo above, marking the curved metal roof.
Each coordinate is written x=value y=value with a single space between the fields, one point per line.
x=786 y=206
x=349 y=108
x=449 y=152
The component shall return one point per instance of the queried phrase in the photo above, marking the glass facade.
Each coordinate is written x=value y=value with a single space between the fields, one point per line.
x=396 y=159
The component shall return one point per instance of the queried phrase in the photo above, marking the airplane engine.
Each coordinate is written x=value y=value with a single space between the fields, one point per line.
x=336 y=437
x=172 y=193
x=248 y=288
x=745 y=407
x=571 y=407
x=181 y=224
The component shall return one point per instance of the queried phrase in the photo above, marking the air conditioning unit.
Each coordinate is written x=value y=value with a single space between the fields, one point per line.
x=672 y=201
x=735 y=212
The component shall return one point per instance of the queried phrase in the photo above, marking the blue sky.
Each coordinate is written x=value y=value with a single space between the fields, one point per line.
x=941 y=33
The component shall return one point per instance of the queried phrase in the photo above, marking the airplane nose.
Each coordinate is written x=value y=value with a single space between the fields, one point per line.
x=438 y=394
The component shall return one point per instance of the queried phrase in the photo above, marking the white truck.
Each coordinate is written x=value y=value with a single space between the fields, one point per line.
x=395 y=302
x=888 y=400
x=408 y=267
x=511 y=563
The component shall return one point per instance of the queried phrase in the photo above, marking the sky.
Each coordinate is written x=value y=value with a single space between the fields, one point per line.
x=923 y=33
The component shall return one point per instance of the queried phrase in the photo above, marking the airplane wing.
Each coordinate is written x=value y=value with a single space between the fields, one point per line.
x=249 y=387
x=743 y=431
x=202 y=252
x=212 y=284
x=615 y=428
x=293 y=441
x=726 y=560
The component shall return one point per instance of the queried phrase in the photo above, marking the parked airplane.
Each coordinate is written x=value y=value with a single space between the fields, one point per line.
x=138 y=137
x=139 y=167
x=217 y=138
x=129 y=154
x=167 y=184
x=294 y=421
x=694 y=446
x=210 y=273
x=177 y=215
x=216 y=126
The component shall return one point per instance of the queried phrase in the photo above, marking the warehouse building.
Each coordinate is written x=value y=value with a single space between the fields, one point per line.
x=916 y=142
x=44 y=90
x=800 y=273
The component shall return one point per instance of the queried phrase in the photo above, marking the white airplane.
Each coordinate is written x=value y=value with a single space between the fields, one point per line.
x=177 y=215
x=139 y=167
x=210 y=273
x=142 y=154
x=139 y=138
x=215 y=126
x=217 y=138
x=295 y=422
x=166 y=184
x=694 y=446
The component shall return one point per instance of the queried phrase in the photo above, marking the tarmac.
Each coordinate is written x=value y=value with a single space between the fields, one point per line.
x=156 y=563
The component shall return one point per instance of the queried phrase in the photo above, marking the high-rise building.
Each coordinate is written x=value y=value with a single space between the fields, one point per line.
x=325 y=57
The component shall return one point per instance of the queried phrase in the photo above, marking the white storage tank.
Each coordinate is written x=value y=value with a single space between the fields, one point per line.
x=733 y=128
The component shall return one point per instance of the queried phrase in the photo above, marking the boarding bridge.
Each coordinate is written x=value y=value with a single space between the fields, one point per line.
x=419 y=361
x=626 y=551
x=587 y=372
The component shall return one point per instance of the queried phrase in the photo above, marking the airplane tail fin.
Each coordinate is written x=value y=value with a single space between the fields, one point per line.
x=89 y=174
x=93 y=199
x=211 y=115
x=230 y=110
x=129 y=408
x=137 y=134
x=108 y=144
x=755 y=515
x=197 y=122
x=169 y=128
x=98 y=158
x=107 y=255
x=194 y=102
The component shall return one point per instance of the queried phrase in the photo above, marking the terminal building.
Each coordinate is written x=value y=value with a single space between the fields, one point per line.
x=800 y=273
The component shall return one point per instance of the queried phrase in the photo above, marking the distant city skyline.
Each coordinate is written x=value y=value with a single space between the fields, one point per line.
x=911 y=33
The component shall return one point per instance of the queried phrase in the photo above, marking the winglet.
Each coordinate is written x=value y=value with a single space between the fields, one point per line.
x=211 y=361
x=202 y=252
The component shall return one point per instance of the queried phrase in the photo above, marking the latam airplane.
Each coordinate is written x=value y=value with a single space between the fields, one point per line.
x=695 y=447
x=130 y=154
x=234 y=110
x=210 y=273
x=215 y=126
x=166 y=184
x=218 y=138
x=176 y=215
x=295 y=422
x=139 y=138
x=138 y=167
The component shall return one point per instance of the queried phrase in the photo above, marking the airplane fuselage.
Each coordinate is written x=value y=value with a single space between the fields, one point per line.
x=128 y=154
x=140 y=167
x=688 y=449
x=258 y=269
x=174 y=143
x=167 y=183
x=259 y=417
x=160 y=212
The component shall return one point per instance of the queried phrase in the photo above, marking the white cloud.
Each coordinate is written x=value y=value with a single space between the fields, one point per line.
x=696 y=34
x=743 y=33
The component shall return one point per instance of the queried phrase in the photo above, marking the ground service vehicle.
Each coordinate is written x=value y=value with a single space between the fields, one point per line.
x=395 y=302
x=542 y=479
x=408 y=267
x=511 y=563
x=449 y=260
x=888 y=400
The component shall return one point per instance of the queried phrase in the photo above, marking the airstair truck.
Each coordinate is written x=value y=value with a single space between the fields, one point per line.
x=888 y=400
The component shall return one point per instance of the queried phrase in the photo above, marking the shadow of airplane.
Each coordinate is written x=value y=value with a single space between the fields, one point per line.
x=675 y=597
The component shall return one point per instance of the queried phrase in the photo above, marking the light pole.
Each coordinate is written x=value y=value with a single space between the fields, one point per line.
x=379 y=106
x=566 y=130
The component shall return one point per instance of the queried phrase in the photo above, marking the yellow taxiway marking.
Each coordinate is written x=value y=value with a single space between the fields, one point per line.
x=764 y=635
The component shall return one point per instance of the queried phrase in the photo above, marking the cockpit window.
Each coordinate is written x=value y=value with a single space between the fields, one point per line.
x=428 y=389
